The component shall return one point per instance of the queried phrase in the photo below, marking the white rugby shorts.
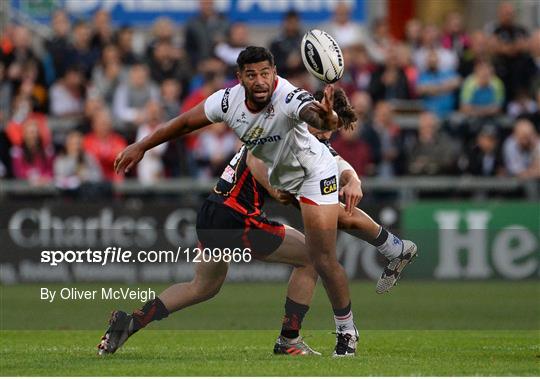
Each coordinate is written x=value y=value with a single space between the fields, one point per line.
x=321 y=185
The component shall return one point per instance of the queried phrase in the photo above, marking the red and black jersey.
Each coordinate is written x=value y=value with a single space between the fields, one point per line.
x=238 y=189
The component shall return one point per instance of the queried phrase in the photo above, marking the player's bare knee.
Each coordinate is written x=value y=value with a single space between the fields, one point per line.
x=324 y=264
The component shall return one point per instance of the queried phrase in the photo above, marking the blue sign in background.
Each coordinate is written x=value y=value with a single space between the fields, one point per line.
x=144 y=12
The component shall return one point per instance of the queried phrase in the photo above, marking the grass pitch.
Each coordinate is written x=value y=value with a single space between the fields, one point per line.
x=420 y=328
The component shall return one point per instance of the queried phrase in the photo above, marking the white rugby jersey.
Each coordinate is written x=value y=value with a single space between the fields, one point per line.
x=276 y=135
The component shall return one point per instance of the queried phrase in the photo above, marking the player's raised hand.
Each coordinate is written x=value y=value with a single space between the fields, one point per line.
x=325 y=109
x=128 y=158
x=328 y=99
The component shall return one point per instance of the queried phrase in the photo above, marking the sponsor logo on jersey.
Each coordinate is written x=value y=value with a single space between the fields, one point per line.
x=291 y=95
x=261 y=141
x=253 y=137
x=254 y=133
x=225 y=101
x=329 y=185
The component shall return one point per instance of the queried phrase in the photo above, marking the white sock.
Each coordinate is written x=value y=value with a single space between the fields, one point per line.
x=392 y=247
x=345 y=324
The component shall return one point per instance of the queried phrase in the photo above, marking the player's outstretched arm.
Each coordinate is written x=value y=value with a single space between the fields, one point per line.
x=320 y=115
x=186 y=123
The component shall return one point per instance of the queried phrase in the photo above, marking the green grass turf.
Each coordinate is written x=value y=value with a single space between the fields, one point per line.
x=242 y=353
x=420 y=328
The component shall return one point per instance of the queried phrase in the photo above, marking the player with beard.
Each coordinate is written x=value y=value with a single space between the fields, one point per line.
x=270 y=115
x=233 y=216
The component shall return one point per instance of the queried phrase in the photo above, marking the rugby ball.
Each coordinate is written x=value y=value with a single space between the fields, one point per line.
x=322 y=56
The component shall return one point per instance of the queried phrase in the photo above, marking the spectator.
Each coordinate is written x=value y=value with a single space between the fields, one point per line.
x=104 y=144
x=433 y=153
x=380 y=40
x=405 y=61
x=29 y=86
x=163 y=31
x=124 y=42
x=107 y=75
x=357 y=76
x=228 y=51
x=15 y=130
x=354 y=150
x=75 y=167
x=482 y=94
x=23 y=104
x=454 y=36
x=174 y=158
x=214 y=148
x=512 y=59
x=6 y=94
x=166 y=64
x=534 y=43
x=170 y=98
x=413 y=34
x=485 y=158
x=448 y=60
x=103 y=32
x=59 y=47
x=132 y=94
x=21 y=57
x=67 y=97
x=83 y=55
x=345 y=31
x=437 y=87
x=522 y=151
x=213 y=81
x=481 y=102
x=479 y=50
x=150 y=169
x=389 y=81
x=285 y=47
x=522 y=106
x=361 y=103
x=32 y=160
x=94 y=103
x=383 y=138
x=204 y=32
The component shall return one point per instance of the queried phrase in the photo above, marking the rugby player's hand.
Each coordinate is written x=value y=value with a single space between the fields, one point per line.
x=284 y=197
x=128 y=158
x=351 y=194
x=325 y=109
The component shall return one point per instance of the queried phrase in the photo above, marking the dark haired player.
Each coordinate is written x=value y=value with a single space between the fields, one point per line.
x=270 y=115
x=232 y=215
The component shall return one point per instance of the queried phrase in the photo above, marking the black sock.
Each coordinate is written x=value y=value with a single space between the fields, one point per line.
x=341 y=312
x=153 y=310
x=292 y=321
x=381 y=238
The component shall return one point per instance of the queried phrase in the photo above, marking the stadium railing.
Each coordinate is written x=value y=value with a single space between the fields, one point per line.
x=407 y=188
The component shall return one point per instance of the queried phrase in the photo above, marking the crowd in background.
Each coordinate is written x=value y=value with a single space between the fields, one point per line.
x=66 y=112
